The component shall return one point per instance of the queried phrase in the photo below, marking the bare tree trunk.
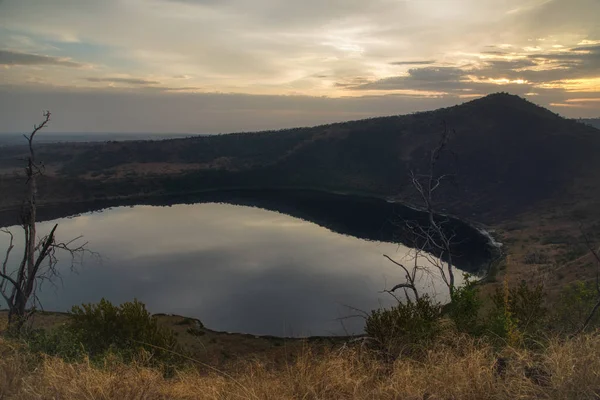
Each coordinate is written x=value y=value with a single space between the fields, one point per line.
x=431 y=238
x=18 y=287
x=28 y=269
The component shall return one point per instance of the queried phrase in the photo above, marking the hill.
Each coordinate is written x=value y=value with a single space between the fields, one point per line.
x=507 y=155
x=595 y=122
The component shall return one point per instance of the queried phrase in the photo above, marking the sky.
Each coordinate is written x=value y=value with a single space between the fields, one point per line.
x=210 y=66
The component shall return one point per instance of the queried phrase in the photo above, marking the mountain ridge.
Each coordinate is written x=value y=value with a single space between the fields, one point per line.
x=506 y=154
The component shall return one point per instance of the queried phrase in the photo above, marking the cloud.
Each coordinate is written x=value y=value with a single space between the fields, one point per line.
x=519 y=70
x=592 y=49
x=130 y=81
x=574 y=63
x=495 y=52
x=262 y=45
x=315 y=48
x=424 y=62
x=584 y=100
x=8 y=57
x=503 y=65
x=427 y=79
x=558 y=18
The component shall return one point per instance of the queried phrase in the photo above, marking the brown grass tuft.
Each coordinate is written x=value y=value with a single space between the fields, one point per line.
x=462 y=368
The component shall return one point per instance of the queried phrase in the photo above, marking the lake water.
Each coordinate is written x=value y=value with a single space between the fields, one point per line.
x=236 y=268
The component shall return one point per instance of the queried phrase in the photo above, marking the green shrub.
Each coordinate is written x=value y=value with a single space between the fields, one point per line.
x=405 y=327
x=528 y=305
x=574 y=305
x=519 y=313
x=126 y=330
x=464 y=307
x=61 y=342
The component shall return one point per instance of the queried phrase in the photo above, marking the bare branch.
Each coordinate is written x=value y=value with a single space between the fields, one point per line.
x=400 y=286
x=44 y=252
x=432 y=237
x=363 y=314
x=397 y=263
x=36 y=129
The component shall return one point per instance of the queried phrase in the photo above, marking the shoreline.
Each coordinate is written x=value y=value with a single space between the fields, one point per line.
x=199 y=326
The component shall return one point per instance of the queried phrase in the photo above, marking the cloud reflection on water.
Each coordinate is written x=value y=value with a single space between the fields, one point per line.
x=236 y=268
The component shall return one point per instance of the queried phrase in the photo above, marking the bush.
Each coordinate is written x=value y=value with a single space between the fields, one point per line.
x=519 y=313
x=61 y=342
x=125 y=330
x=464 y=307
x=575 y=303
x=406 y=326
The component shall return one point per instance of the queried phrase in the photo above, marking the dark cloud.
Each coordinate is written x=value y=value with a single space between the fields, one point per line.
x=435 y=74
x=427 y=78
x=577 y=62
x=8 y=57
x=130 y=81
x=424 y=62
x=352 y=82
x=574 y=56
x=593 y=49
x=495 y=52
x=453 y=81
x=510 y=64
x=529 y=69
x=180 y=89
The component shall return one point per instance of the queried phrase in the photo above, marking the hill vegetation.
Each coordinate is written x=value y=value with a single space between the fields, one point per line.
x=508 y=156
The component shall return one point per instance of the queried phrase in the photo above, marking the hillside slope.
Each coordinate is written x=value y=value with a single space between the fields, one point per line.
x=506 y=154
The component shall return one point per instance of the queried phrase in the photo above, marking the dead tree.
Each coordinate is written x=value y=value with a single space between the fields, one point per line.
x=411 y=279
x=431 y=241
x=18 y=286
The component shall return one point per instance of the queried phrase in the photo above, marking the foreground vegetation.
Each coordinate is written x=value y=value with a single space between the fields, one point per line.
x=516 y=347
x=457 y=366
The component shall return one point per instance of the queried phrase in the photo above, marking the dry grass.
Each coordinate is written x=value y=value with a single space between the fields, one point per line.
x=457 y=368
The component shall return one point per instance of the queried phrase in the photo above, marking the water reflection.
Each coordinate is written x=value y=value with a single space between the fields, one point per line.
x=236 y=268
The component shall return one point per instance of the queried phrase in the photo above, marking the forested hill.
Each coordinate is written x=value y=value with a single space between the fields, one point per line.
x=506 y=156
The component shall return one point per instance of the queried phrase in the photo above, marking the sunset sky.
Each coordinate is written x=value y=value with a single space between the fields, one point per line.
x=210 y=66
